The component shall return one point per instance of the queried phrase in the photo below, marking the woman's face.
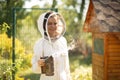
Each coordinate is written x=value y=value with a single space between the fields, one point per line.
x=55 y=26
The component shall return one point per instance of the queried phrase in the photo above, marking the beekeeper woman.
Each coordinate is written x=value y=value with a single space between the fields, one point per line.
x=52 y=27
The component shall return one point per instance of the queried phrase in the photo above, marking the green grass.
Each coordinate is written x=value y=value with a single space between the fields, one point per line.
x=80 y=67
x=32 y=76
x=28 y=75
x=79 y=60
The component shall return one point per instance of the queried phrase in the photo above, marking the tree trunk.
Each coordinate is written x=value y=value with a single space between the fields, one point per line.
x=54 y=3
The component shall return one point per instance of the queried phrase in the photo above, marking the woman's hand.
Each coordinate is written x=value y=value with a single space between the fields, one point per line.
x=41 y=62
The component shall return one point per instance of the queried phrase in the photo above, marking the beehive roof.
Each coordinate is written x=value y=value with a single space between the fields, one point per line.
x=107 y=15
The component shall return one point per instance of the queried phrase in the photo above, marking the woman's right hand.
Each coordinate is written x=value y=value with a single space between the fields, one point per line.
x=41 y=62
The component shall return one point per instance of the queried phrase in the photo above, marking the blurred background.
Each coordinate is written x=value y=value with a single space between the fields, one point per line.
x=26 y=33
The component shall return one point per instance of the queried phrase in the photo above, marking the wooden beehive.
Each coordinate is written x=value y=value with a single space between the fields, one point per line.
x=103 y=21
x=106 y=56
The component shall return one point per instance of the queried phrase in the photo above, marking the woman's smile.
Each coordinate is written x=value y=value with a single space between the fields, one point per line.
x=54 y=26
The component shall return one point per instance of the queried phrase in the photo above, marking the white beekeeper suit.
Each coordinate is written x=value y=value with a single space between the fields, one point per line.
x=57 y=48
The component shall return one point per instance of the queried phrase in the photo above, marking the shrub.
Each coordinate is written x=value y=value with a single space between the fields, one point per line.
x=82 y=73
x=5 y=70
x=23 y=60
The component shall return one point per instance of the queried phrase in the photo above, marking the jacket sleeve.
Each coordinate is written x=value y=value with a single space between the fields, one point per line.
x=63 y=50
x=63 y=54
x=67 y=68
x=66 y=65
x=36 y=56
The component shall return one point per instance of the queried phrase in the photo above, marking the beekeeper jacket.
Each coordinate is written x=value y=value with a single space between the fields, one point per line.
x=56 y=47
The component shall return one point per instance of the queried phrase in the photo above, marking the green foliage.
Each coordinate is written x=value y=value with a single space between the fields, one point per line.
x=5 y=46
x=6 y=12
x=70 y=2
x=5 y=70
x=27 y=30
x=22 y=59
x=71 y=25
x=4 y=27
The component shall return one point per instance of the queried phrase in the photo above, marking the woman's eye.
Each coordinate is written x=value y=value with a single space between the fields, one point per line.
x=52 y=23
x=49 y=23
x=55 y=23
